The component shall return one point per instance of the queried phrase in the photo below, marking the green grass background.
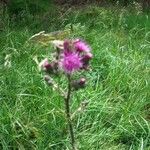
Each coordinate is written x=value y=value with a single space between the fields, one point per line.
x=118 y=114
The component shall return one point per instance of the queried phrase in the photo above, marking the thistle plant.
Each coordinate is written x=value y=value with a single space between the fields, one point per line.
x=72 y=57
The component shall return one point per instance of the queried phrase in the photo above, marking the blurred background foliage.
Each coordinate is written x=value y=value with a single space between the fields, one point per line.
x=39 y=14
x=38 y=6
x=34 y=6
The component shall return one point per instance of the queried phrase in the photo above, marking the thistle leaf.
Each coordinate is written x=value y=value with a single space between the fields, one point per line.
x=46 y=38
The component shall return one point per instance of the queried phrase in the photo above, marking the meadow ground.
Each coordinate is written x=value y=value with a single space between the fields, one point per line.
x=118 y=114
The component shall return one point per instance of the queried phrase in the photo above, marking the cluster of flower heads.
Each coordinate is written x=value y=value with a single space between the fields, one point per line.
x=72 y=56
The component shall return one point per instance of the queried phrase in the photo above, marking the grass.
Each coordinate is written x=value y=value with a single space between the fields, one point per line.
x=117 y=117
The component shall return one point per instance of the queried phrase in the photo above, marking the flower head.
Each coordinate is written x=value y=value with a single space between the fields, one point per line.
x=75 y=56
x=81 y=46
x=70 y=62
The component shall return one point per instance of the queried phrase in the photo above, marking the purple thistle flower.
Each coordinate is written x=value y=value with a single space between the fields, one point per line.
x=70 y=62
x=71 y=58
x=81 y=46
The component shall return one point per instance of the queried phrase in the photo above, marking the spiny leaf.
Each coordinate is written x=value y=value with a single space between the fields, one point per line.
x=46 y=38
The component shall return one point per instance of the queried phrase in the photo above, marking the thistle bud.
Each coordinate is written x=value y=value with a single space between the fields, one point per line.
x=48 y=80
x=81 y=46
x=78 y=84
x=85 y=60
x=67 y=45
x=48 y=67
x=51 y=68
x=82 y=81
x=45 y=65
x=87 y=57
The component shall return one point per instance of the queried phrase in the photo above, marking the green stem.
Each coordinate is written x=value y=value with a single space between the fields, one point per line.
x=67 y=107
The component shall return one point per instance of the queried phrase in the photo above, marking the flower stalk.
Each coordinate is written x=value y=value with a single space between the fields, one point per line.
x=68 y=114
